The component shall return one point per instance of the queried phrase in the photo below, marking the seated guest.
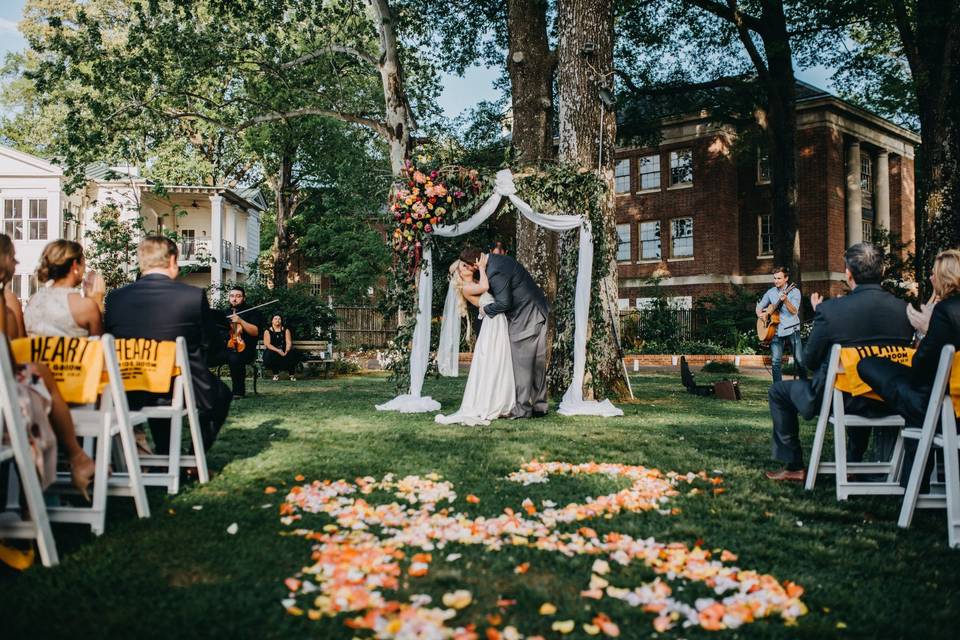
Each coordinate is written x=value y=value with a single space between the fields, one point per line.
x=867 y=316
x=40 y=378
x=905 y=389
x=157 y=306
x=58 y=309
x=280 y=353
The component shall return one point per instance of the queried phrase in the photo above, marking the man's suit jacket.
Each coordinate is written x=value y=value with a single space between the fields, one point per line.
x=944 y=329
x=163 y=309
x=868 y=315
x=516 y=295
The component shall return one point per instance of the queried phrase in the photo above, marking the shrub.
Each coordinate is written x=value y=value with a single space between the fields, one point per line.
x=730 y=318
x=720 y=367
x=308 y=316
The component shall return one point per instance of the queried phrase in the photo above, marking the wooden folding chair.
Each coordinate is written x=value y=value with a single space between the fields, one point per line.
x=12 y=523
x=939 y=408
x=101 y=424
x=182 y=405
x=832 y=411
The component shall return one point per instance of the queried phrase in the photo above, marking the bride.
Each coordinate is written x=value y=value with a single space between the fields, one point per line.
x=490 y=391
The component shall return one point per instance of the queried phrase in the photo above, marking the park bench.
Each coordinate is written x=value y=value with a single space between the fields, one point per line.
x=315 y=353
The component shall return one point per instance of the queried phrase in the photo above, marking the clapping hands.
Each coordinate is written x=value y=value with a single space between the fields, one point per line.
x=921 y=319
x=815 y=300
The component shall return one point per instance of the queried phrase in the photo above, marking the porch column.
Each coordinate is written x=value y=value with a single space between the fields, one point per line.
x=882 y=191
x=216 y=239
x=854 y=196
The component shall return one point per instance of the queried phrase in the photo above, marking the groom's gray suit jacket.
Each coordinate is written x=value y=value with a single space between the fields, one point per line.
x=516 y=295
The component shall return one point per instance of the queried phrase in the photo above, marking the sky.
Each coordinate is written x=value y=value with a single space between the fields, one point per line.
x=459 y=93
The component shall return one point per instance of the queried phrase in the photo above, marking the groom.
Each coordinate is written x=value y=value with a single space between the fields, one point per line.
x=518 y=297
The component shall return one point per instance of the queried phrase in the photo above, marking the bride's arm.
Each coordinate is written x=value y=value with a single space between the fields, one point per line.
x=473 y=290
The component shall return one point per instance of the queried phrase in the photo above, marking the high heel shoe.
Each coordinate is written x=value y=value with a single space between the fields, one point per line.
x=82 y=470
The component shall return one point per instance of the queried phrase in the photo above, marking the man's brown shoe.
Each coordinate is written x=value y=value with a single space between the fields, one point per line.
x=800 y=475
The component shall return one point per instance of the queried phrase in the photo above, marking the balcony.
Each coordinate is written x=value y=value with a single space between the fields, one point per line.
x=193 y=251
x=226 y=251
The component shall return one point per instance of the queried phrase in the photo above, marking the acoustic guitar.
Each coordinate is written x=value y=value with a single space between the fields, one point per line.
x=770 y=318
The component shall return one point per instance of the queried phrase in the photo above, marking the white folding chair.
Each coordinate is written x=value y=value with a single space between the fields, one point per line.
x=940 y=406
x=182 y=405
x=12 y=523
x=112 y=418
x=832 y=411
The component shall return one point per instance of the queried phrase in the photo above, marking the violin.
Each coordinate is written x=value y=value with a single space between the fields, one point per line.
x=236 y=342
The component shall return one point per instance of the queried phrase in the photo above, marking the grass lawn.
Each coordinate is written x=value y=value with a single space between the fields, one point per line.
x=181 y=574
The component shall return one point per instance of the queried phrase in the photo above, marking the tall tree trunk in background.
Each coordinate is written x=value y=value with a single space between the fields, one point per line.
x=930 y=33
x=531 y=63
x=286 y=200
x=585 y=62
x=780 y=89
x=397 y=114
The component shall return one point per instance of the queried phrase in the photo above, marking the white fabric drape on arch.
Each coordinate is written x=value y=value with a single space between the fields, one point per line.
x=573 y=402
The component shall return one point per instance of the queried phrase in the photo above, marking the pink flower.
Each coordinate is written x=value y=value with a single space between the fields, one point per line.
x=419 y=177
x=428 y=228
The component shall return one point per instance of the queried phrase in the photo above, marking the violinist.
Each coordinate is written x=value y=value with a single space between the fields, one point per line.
x=244 y=334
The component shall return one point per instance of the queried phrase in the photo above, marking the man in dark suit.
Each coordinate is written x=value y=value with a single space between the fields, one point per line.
x=518 y=297
x=867 y=316
x=157 y=306
x=251 y=325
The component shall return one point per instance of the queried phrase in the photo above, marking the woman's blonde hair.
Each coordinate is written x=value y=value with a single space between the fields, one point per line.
x=946 y=268
x=57 y=259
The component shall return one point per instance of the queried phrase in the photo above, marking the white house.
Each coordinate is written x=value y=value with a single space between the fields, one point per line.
x=218 y=227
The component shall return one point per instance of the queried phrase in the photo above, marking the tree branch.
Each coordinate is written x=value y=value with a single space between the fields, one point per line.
x=728 y=13
x=370 y=123
x=908 y=37
x=744 y=32
x=334 y=48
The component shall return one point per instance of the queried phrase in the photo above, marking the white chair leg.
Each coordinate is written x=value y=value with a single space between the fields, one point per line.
x=840 y=448
x=910 y=496
x=951 y=469
x=896 y=459
x=813 y=468
x=176 y=445
x=196 y=436
x=39 y=520
x=128 y=442
x=101 y=480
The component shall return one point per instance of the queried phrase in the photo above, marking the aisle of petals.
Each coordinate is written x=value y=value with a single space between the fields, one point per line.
x=353 y=566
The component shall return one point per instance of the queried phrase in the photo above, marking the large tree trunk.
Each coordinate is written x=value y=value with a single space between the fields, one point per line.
x=285 y=200
x=530 y=63
x=397 y=115
x=585 y=61
x=780 y=90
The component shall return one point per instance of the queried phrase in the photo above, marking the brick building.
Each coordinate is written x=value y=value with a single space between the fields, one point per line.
x=696 y=209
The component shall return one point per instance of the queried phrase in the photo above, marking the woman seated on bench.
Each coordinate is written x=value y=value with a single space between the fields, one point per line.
x=82 y=468
x=280 y=353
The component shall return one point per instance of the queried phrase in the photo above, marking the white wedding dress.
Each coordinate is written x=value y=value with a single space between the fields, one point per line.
x=490 y=391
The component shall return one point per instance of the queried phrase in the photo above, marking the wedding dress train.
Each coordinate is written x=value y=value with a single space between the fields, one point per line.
x=490 y=391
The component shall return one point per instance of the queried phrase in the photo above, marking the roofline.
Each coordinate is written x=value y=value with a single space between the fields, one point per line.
x=33 y=160
x=142 y=183
x=829 y=100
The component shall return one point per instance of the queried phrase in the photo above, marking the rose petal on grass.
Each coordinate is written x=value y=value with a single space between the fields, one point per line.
x=233 y=528
x=521 y=569
x=563 y=626
x=458 y=599
x=547 y=609
x=269 y=490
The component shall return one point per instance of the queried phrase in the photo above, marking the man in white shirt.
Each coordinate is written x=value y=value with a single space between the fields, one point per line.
x=789 y=328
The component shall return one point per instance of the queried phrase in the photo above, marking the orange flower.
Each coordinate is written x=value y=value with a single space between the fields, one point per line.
x=711 y=618
x=269 y=490
x=522 y=568
x=472 y=499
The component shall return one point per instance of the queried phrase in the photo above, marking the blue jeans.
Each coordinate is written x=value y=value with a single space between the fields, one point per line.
x=776 y=354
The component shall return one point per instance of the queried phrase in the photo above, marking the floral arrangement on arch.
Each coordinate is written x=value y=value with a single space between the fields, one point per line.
x=425 y=198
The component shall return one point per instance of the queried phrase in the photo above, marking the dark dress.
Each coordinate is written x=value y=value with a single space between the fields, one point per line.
x=273 y=360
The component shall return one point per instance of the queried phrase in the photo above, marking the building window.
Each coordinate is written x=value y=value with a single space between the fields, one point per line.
x=681 y=167
x=866 y=180
x=623 y=242
x=623 y=304
x=763 y=166
x=765 y=223
x=13 y=219
x=38 y=219
x=649 y=172
x=681 y=238
x=316 y=284
x=650 y=240
x=622 y=176
x=867 y=230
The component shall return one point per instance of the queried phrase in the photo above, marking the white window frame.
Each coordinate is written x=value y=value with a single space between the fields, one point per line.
x=644 y=241
x=38 y=221
x=760 y=251
x=866 y=228
x=651 y=162
x=866 y=180
x=623 y=304
x=675 y=164
x=13 y=218
x=625 y=226
x=674 y=254
x=619 y=184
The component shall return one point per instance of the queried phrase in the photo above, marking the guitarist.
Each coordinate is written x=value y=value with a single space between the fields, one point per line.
x=788 y=305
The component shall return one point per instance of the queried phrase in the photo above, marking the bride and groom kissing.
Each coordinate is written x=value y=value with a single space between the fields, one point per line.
x=508 y=374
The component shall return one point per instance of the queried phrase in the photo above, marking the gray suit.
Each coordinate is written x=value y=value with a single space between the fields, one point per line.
x=518 y=297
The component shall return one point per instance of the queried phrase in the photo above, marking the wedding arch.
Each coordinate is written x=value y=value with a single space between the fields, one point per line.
x=573 y=402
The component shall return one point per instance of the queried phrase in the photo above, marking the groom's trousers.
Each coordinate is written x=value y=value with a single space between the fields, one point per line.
x=530 y=372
